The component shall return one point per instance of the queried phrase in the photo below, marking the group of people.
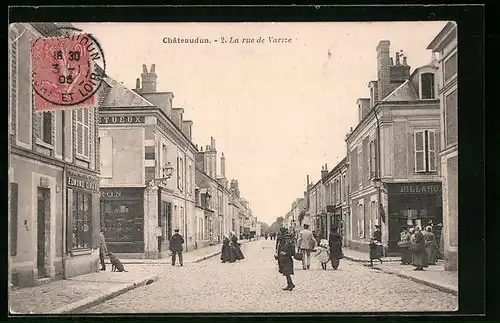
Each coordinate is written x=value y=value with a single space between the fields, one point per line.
x=419 y=247
x=271 y=235
x=287 y=249
x=231 y=250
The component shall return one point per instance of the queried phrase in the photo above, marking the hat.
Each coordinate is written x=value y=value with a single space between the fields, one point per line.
x=176 y=230
x=377 y=226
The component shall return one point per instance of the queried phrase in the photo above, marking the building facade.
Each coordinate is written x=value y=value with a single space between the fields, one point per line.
x=142 y=136
x=53 y=175
x=445 y=44
x=393 y=172
x=337 y=206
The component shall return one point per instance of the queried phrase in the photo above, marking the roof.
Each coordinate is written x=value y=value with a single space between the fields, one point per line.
x=404 y=92
x=436 y=43
x=120 y=96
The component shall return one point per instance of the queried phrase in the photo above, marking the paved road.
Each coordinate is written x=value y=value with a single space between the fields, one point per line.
x=254 y=285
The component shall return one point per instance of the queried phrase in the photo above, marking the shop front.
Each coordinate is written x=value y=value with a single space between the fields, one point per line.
x=412 y=204
x=122 y=211
x=334 y=218
x=83 y=217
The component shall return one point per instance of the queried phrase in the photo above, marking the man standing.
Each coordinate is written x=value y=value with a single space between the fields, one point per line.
x=306 y=243
x=176 y=242
x=103 y=250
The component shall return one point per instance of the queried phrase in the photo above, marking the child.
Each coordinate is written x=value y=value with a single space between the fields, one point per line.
x=323 y=253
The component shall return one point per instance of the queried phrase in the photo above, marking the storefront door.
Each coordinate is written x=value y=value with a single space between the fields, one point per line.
x=43 y=215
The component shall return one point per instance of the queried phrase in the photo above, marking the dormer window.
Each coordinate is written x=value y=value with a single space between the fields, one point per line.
x=428 y=86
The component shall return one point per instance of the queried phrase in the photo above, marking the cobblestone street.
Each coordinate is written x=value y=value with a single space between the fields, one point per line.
x=254 y=285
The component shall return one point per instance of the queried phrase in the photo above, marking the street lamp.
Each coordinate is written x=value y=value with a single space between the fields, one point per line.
x=377 y=183
x=167 y=173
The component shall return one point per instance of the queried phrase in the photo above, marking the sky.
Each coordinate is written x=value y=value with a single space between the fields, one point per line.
x=278 y=111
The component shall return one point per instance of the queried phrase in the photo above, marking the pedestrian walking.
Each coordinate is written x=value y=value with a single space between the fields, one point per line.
x=376 y=247
x=306 y=244
x=431 y=247
x=236 y=246
x=227 y=253
x=335 y=244
x=284 y=254
x=417 y=247
x=103 y=250
x=323 y=253
x=175 y=246
x=404 y=244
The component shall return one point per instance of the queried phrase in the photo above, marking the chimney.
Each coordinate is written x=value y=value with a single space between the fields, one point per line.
x=392 y=61
x=223 y=166
x=187 y=127
x=383 y=69
x=148 y=79
x=212 y=143
x=398 y=62
x=177 y=117
x=196 y=146
x=405 y=63
x=324 y=172
x=200 y=160
x=207 y=148
x=400 y=72
x=138 y=84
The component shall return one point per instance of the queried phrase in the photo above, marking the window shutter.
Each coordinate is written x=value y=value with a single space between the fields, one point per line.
x=95 y=224
x=375 y=159
x=419 y=151
x=178 y=173
x=432 y=150
x=69 y=221
x=13 y=218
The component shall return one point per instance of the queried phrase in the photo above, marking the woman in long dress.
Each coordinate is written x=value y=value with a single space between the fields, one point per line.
x=335 y=244
x=431 y=247
x=235 y=245
x=419 y=256
x=285 y=252
x=404 y=244
x=227 y=254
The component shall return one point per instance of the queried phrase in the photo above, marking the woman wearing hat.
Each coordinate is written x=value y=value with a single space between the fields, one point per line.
x=335 y=244
x=285 y=252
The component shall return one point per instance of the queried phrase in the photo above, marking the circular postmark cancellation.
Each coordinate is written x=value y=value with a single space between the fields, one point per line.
x=68 y=68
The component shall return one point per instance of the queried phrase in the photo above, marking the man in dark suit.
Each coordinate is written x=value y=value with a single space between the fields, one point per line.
x=176 y=242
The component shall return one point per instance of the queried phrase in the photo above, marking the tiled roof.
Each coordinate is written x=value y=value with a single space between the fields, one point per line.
x=404 y=92
x=120 y=96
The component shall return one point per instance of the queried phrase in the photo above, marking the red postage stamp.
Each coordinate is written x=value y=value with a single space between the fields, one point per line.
x=65 y=71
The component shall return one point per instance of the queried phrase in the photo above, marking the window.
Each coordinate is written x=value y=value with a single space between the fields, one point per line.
x=451 y=118
x=189 y=180
x=425 y=151
x=180 y=173
x=361 y=221
x=164 y=156
x=149 y=152
x=83 y=135
x=372 y=163
x=450 y=67
x=181 y=220
x=360 y=165
x=427 y=85
x=45 y=130
x=13 y=77
x=344 y=196
x=82 y=219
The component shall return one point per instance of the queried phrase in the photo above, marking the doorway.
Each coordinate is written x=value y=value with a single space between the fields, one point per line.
x=165 y=223
x=43 y=221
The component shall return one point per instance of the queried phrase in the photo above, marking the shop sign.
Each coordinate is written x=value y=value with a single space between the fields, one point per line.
x=110 y=193
x=426 y=188
x=76 y=180
x=122 y=119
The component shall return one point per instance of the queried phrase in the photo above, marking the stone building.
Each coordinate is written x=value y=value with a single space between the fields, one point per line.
x=53 y=176
x=445 y=44
x=336 y=199
x=142 y=139
x=393 y=152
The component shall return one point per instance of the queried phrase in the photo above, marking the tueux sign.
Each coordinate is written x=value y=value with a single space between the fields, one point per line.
x=122 y=119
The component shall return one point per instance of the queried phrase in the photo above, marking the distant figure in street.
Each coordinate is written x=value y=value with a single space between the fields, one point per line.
x=306 y=243
x=265 y=235
x=235 y=245
x=176 y=242
x=227 y=254
x=284 y=254
x=323 y=253
x=404 y=243
x=431 y=247
x=335 y=244
x=419 y=256
x=279 y=237
x=211 y=237
x=103 y=250
x=376 y=247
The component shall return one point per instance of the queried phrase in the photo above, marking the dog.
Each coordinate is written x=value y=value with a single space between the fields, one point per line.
x=116 y=264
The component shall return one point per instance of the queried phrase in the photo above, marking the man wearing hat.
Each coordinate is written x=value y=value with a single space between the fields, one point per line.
x=306 y=243
x=176 y=242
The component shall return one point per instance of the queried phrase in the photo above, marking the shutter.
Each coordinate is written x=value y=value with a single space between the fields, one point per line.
x=419 y=151
x=13 y=218
x=95 y=224
x=69 y=221
x=178 y=173
x=375 y=158
x=432 y=150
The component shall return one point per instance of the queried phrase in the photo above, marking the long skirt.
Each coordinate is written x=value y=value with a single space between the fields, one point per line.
x=237 y=252
x=376 y=251
x=227 y=254
x=405 y=256
x=419 y=259
x=432 y=254
x=335 y=262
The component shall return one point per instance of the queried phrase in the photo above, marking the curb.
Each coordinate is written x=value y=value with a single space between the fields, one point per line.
x=102 y=297
x=439 y=287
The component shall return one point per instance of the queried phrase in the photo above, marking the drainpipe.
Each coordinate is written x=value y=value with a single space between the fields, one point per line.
x=64 y=201
x=378 y=168
x=185 y=204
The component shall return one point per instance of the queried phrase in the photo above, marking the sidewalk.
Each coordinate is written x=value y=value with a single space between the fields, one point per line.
x=434 y=276
x=77 y=293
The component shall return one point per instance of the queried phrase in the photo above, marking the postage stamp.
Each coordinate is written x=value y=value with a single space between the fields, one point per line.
x=67 y=71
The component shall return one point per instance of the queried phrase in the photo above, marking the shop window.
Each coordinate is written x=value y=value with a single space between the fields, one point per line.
x=13 y=218
x=82 y=220
x=123 y=221
x=427 y=86
x=425 y=151
x=451 y=118
x=149 y=153
x=83 y=135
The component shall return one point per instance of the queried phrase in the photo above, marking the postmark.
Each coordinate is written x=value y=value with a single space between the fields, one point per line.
x=67 y=69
